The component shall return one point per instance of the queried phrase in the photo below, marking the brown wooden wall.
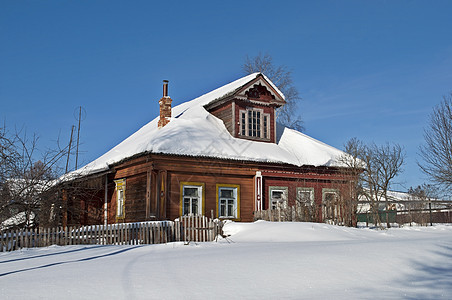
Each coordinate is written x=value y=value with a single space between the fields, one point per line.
x=317 y=184
x=210 y=182
x=224 y=112
x=153 y=185
x=135 y=203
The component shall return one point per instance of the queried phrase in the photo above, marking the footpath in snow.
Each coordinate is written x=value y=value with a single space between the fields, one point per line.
x=260 y=260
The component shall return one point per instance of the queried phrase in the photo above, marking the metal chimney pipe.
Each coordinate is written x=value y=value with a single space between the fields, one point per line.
x=165 y=88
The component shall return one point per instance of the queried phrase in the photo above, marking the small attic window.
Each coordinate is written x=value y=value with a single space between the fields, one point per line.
x=254 y=123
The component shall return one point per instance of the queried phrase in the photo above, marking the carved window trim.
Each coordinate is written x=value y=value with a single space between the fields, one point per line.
x=228 y=203
x=120 y=188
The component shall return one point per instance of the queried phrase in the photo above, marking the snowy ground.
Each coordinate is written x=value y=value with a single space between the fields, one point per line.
x=262 y=261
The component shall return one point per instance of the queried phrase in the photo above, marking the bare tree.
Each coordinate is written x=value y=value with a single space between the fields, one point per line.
x=26 y=174
x=381 y=165
x=388 y=162
x=355 y=166
x=420 y=202
x=281 y=76
x=436 y=153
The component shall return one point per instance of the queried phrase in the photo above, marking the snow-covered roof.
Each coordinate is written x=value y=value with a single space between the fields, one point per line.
x=193 y=131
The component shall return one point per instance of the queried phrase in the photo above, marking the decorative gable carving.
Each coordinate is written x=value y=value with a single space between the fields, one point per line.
x=258 y=91
x=261 y=91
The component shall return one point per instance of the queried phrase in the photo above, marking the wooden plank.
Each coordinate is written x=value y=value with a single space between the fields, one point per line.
x=73 y=232
x=41 y=237
x=176 y=231
x=46 y=237
x=21 y=238
x=109 y=234
x=205 y=228
x=127 y=239
x=121 y=233
x=118 y=229
x=69 y=236
x=4 y=241
x=81 y=235
x=142 y=233
x=49 y=236
x=62 y=236
x=151 y=234
x=7 y=234
x=26 y=238
x=145 y=235
x=103 y=232
x=157 y=234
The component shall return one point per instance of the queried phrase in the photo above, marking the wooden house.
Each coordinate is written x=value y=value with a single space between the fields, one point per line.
x=222 y=155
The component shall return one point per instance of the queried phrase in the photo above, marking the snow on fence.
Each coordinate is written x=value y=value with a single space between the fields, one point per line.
x=185 y=229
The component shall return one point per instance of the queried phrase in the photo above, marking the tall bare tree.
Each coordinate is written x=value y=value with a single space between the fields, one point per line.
x=388 y=161
x=436 y=153
x=281 y=76
x=381 y=165
x=355 y=166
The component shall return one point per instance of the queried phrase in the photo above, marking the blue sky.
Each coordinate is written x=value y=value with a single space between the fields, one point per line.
x=366 y=69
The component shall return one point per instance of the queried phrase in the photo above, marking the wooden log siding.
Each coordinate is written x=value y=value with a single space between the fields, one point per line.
x=185 y=229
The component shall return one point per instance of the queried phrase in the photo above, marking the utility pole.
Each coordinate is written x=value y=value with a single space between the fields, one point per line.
x=78 y=115
x=69 y=150
x=78 y=137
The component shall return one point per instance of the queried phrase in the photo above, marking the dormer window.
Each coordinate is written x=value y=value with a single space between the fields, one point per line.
x=249 y=111
x=254 y=123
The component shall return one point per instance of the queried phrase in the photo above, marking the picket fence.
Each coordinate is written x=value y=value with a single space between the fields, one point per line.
x=184 y=229
x=289 y=214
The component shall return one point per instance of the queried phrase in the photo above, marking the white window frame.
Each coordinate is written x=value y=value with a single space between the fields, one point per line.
x=244 y=124
x=304 y=190
x=199 y=197
x=275 y=204
x=330 y=212
x=235 y=201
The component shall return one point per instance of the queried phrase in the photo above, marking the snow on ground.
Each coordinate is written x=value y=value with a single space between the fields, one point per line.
x=259 y=260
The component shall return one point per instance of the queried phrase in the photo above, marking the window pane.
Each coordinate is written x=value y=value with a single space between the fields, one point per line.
x=191 y=192
x=222 y=208
x=243 y=124
x=277 y=194
x=230 y=208
x=329 y=197
x=186 y=209
x=274 y=204
x=254 y=123
x=258 y=124
x=226 y=193
x=194 y=206
x=305 y=196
